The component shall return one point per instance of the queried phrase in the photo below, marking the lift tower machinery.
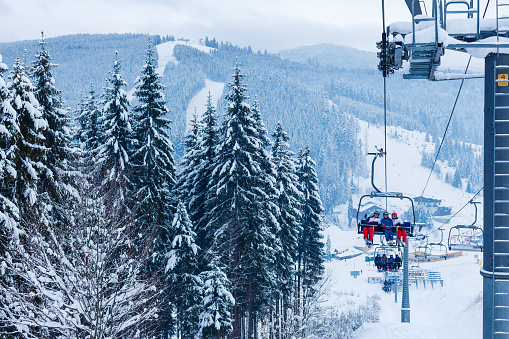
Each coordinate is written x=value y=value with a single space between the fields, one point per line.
x=416 y=47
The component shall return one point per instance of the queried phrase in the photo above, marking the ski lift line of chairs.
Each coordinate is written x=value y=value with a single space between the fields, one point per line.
x=467 y=237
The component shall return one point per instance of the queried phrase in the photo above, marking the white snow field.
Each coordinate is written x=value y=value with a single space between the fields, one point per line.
x=165 y=52
x=199 y=101
x=453 y=311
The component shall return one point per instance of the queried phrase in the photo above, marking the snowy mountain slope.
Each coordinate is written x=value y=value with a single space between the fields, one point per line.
x=334 y=55
x=165 y=52
x=453 y=311
x=199 y=101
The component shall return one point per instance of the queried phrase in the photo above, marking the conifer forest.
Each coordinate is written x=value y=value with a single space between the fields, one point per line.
x=104 y=234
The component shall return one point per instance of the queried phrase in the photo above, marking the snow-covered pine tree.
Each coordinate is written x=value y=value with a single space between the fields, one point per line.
x=187 y=176
x=215 y=318
x=55 y=184
x=239 y=218
x=27 y=150
x=153 y=157
x=22 y=143
x=113 y=161
x=90 y=129
x=182 y=266
x=289 y=218
x=154 y=174
x=202 y=194
x=311 y=248
x=9 y=212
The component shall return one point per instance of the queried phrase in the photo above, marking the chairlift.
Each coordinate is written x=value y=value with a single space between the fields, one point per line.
x=436 y=250
x=377 y=194
x=467 y=237
x=388 y=251
x=420 y=251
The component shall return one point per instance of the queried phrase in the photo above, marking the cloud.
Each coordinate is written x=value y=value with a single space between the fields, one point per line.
x=5 y=10
x=263 y=24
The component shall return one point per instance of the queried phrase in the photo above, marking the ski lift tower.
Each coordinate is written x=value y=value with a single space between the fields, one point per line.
x=416 y=48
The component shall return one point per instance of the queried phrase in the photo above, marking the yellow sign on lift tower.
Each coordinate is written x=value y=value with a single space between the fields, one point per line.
x=502 y=83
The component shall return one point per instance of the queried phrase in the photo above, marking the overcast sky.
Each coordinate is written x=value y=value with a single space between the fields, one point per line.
x=273 y=25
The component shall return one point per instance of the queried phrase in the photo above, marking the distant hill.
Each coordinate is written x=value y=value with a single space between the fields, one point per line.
x=332 y=55
x=85 y=59
x=317 y=92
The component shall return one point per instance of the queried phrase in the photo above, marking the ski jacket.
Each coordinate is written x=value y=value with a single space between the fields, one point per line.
x=374 y=220
x=386 y=222
x=397 y=222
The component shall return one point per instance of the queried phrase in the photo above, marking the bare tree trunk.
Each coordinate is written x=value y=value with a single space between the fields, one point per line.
x=276 y=320
x=250 y=316
x=236 y=334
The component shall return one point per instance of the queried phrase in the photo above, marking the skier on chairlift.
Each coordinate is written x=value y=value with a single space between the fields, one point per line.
x=397 y=262
x=367 y=231
x=387 y=225
x=391 y=264
x=378 y=262
x=384 y=262
x=400 y=232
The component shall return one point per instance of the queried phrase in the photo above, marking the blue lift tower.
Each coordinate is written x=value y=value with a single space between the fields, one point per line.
x=416 y=48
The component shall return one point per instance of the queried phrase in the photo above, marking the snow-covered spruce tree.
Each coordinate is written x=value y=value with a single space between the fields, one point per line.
x=153 y=157
x=186 y=181
x=81 y=119
x=88 y=284
x=216 y=319
x=270 y=205
x=289 y=218
x=154 y=174
x=182 y=266
x=24 y=152
x=310 y=248
x=27 y=149
x=55 y=184
x=90 y=130
x=239 y=218
x=9 y=213
x=202 y=194
x=117 y=140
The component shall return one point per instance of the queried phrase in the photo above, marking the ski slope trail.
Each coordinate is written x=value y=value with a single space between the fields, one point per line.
x=165 y=53
x=199 y=101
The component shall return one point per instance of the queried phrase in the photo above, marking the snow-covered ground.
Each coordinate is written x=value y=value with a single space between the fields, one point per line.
x=453 y=311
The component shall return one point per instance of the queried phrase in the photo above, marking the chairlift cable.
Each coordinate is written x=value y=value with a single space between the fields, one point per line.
x=385 y=97
x=446 y=128
x=472 y=199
